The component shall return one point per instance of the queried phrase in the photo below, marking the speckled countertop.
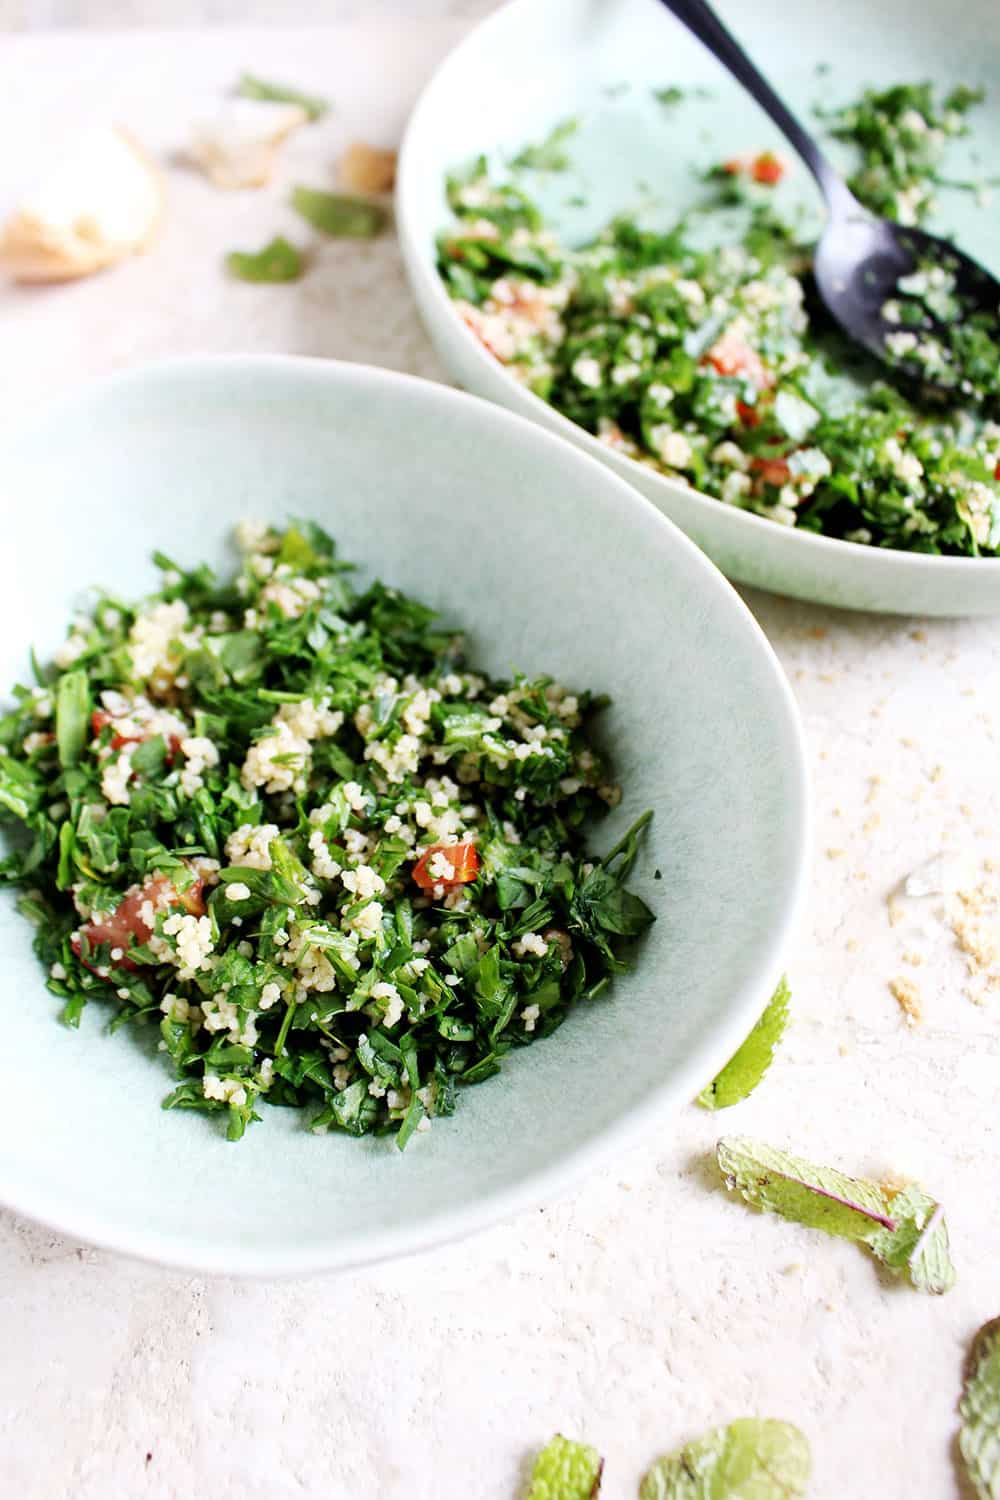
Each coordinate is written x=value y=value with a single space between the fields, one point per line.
x=646 y=1306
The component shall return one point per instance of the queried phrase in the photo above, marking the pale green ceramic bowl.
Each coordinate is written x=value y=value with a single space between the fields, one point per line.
x=536 y=62
x=554 y=564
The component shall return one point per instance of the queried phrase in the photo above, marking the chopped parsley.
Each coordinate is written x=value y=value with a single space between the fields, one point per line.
x=939 y=336
x=549 y=155
x=901 y=135
x=280 y=818
x=717 y=367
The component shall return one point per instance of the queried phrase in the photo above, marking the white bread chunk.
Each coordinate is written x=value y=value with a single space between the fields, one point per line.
x=101 y=203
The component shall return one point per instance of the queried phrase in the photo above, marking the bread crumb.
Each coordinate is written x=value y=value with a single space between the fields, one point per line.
x=907 y=997
x=874 y=782
x=907 y=743
x=367 y=169
x=870 y=824
x=918 y=635
x=937 y=773
x=851 y=945
x=913 y=959
x=895 y=911
x=834 y=853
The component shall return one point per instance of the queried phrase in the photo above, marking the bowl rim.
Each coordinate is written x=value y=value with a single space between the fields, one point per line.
x=424 y=274
x=746 y=1004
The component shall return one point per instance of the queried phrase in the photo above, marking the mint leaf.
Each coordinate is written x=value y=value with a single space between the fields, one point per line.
x=252 y=87
x=338 y=214
x=278 y=261
x=979 y=1440
x=565 y=1470
x=751 y=1459
x=751 y=1060
x=903 y=1229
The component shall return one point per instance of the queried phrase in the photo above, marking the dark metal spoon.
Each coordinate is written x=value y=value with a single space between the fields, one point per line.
x=859 y=258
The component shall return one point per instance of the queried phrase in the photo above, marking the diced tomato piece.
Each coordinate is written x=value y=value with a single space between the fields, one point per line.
x=732 y=356
x=772 y=470
x=100 y=719
x=474 y=319
x=996 y=471
x=748 y=415
x=734 y=166
x=767 y=168
x=463 y=859
x=126 y=921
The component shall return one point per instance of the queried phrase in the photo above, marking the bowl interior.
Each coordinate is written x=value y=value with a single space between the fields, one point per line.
x=552 y=564
x=599 y=62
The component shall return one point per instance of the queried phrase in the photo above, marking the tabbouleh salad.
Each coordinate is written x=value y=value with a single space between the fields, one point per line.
x=717 y=368
x=282 y=819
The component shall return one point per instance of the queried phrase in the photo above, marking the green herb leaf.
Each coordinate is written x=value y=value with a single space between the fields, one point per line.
x=904 y=1229
x=751 y=1060
x=566 y=1470
x=252 y=87
x=548 y=155
x=72 y=716
x=979 y=1440
x=751 y=1459
x=338 y=214
x=278 y=261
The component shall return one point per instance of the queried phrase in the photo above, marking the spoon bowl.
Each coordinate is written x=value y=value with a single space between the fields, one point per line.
x=859 y=263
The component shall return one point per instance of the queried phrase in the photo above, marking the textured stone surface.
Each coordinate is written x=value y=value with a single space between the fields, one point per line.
x=646 y=1306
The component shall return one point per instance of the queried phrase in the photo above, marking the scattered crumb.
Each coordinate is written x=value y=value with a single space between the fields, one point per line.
x=969 y=692
x=907 y=997
x=874 y=782
x=975 y=927
x=965 y=810
x=918 y=635
x=834 y=853
x=870 y=824
x=937 y=773
x=367 y=169
x=844 y=1049
x=824 y=755
x=792 y=1269
x=826 y=677
x=907 y=743
x=861 y=875
x=851 y=945
x=837 y=812
x=895 y=911
x=913 y=959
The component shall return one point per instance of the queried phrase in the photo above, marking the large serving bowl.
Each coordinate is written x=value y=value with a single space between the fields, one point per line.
x=536 y=62
x=553 y=563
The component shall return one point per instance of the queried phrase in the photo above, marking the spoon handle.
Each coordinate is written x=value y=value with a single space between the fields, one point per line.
x=701 y=19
